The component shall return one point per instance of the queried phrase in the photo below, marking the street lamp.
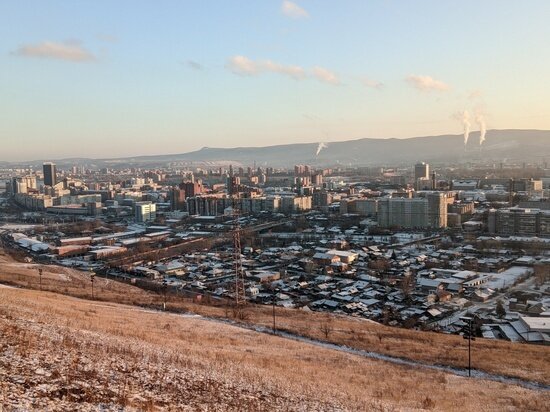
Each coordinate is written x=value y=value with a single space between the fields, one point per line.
x=273 y=306
x=468 y=333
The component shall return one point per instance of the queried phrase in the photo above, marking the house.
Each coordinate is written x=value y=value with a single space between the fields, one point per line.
x=428 y=285
x=265 y=277
x=252 y=291
x=482 y=295
x=169 y=268
x=443 y=295
x=345 y=256
x=325 y=259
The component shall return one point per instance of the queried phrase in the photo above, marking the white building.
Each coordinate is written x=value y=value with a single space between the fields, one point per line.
x=145 y=212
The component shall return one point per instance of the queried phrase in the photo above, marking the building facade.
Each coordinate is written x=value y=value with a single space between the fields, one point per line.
x=50 y=173
x=520 y=222
x=145 y=212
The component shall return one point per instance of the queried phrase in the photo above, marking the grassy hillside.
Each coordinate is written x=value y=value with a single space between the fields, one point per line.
x=515 y=360
x=59 y=352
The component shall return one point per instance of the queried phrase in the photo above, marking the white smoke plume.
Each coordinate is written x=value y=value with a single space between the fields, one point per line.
x=320 y=147
x=464 y=118
x=480 y=120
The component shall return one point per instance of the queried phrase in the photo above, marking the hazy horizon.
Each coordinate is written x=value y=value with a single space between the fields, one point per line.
x=494 y=144
x=160 y=153
x=103 y=79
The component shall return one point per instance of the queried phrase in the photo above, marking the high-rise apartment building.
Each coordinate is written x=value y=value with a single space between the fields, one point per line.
x=427 y=212
x=233 y=183
x=421 y=171
x=437 y=210
x=177 y=198
x=50 y=172
x=317 y=179
x=403 y=212
x=192 y=189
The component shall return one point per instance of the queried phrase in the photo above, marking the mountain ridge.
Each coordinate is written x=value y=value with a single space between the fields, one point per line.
x=516 y=144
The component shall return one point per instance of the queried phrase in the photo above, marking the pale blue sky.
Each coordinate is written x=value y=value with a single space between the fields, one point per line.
x=112 y=78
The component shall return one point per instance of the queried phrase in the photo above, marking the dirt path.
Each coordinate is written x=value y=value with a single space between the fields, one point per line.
x=463 y=372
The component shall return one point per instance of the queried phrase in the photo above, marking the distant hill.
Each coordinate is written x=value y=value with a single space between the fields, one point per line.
x=521 y=145
x=511 y=145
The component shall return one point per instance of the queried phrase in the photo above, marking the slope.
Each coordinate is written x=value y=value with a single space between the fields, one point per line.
x=58 y=352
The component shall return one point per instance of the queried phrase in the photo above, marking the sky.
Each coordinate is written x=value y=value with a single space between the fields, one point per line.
x=104 y=78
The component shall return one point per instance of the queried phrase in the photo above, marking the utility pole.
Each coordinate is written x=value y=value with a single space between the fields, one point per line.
x=40 y=276
x=273 y=301
x=92 y=277
x=164 y=287
x=468 y=333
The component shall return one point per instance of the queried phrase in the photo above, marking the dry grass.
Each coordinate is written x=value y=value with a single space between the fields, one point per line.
x=500 y=357
x=101 y=353
x=70 y=282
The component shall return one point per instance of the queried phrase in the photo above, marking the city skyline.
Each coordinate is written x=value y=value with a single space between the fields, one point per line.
x=105 y=80
x=274 y=205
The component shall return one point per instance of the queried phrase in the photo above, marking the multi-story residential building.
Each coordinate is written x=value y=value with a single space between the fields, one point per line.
x=33 y=201
x=519 y=221
x=360 y=206
x=192 y=188
x=462 y=208
x=321 y=198
x=50 y=174
x=294 y=204
x=145 y=212
x=403 y=213
x=421 y=171
x=437 y=210
x=426 y=212
x=177 y=198
x=317 y=179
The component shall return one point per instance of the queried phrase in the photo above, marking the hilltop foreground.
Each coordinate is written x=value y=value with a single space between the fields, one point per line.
x=63 y=353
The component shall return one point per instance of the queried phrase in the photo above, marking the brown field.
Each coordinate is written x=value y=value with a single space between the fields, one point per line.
x=62 y=353
x=516 y=360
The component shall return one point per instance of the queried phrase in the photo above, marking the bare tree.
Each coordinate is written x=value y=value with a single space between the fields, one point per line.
x=542 y=274
x=326 y=327
x=500 y=310
x=407 y=284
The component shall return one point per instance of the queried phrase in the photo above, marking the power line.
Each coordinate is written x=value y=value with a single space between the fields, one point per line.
x=240 y=294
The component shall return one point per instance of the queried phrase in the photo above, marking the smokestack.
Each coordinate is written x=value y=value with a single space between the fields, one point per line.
x=511 y=192
x=433 y=181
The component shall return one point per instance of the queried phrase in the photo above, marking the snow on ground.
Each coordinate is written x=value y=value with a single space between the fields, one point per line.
x=508 y=277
